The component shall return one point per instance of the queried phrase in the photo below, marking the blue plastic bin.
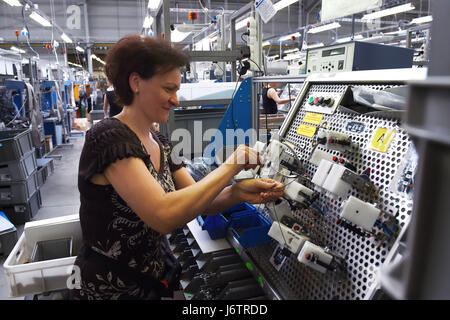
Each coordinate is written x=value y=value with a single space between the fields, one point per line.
x=251 y=230
x=217 y=225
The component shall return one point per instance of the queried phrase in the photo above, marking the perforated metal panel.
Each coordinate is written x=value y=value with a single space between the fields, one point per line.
x=364 y=255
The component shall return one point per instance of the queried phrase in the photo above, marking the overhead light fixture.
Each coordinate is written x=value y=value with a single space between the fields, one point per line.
x=154 y=4
x=346 y=39
x=75 y=65
x=13 y=48
x=388 y=12
x=422 y=19
x=292 y=56
x=325 y=27
x=148 y=21
x=288 y=37
x=241 y=24
x=273 y=57
x=266 y=43
x=283 y=4
x=66 y=38
x=291 y=50
x=80 y=49
x=13 y=3
x=312 y=46
x=40 y=19
x=177 y=36
x=93 y=56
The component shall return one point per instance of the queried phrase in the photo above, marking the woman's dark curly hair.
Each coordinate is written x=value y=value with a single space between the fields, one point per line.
x=144 y=55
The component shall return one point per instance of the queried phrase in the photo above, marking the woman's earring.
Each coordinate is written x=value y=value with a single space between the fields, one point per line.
x=137 y=91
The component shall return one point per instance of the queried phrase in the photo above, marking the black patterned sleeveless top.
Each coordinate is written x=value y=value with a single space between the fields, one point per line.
x=109 y=226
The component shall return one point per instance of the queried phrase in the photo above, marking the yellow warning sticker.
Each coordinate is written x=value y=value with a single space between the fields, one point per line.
x=313 y=118
x=306 y=130
x=382 y=139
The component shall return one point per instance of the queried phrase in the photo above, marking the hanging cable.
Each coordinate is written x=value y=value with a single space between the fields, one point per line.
x=28 y=35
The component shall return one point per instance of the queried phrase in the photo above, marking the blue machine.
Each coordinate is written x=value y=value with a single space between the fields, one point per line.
x=49 y=97
x=20 y=87
x=237 y=116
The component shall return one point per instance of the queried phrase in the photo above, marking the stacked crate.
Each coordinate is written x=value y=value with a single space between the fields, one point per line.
x=20 y=197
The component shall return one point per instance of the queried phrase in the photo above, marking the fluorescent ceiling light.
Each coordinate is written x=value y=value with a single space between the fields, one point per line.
x=177 y=36
x=325 y=27
x=80 y=49
x=40 y=19
x=288 y=37
x=292 y=56
x=273 y=57
x=266 y=43
x=13 y=3
x=13 y=48
x=422 y=19
x=93 y=56
x=397 y=33
x=291 y=50
x=66 y=38
x=148 y=21
x=241 y=24
x=283 y=4
x=420 y=39
x=153 y=4
x=315 y=45
x=346 y=39
x=74 y=64
x=388 y=12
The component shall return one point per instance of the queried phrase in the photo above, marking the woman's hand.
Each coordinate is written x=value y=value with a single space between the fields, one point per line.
x=244 y=158
x=258 y=190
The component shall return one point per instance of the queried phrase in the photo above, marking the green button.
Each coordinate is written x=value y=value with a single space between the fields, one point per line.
x=311 y=100
x=260 y=279
x=249 y=266
x=237 y=250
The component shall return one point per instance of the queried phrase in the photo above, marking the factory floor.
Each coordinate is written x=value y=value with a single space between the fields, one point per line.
x=59 y=194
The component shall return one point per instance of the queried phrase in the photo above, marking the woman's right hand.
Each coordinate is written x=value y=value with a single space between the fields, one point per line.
x=244 y=158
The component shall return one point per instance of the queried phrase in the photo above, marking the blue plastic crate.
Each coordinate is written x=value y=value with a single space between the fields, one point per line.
x=251 y=230
x=217 y=225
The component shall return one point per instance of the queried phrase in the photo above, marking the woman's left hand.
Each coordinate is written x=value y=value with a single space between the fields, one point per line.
x=258 y=190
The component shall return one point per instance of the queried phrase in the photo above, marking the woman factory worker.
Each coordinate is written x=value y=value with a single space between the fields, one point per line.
x=271 y=98
x=133 y=191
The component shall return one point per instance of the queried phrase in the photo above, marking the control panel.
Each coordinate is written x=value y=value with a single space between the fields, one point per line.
x=348 y=177
x=357 y=55
x=322 y=102
x=345 y=203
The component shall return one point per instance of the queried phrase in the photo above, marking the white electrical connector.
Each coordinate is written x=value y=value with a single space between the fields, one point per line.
x=318 y=155
x=322 y=172
x=286 y=237
x=334 y=183
x=329 y=177
x=361 y=213
x=315 y=257
x=280 y=208
x=293 y=191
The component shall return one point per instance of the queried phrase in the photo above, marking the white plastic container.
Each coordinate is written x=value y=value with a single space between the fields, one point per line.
x=28 y=278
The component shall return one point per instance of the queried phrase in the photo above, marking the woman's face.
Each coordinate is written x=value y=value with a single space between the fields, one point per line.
x=158 y=95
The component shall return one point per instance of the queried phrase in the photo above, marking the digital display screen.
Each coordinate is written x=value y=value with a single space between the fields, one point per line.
x=333 y=52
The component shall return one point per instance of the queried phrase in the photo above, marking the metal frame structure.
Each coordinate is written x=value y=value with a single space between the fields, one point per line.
x=419 y=268
x=281 y=285
x=256 y=85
